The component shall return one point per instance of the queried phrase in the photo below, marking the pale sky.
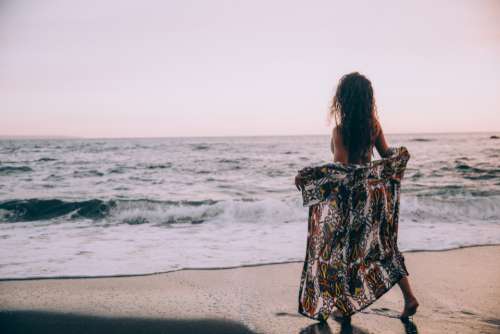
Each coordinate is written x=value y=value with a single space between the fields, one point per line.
x=117 y=68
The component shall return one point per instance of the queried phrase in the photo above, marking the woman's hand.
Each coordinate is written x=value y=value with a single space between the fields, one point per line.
x=299 y=182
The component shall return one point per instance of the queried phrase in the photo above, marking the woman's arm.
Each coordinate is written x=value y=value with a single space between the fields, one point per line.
x=299 y=182
x=381 y=143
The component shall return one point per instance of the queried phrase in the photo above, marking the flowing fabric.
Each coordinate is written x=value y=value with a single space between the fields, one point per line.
x=352 y=256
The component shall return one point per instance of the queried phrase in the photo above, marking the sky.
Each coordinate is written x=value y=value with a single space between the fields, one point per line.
x=118 y=68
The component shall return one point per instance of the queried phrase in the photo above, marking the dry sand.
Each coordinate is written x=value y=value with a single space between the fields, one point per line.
x=458 y=290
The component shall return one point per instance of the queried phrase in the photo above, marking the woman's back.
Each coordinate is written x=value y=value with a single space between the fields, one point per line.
x=341 y=152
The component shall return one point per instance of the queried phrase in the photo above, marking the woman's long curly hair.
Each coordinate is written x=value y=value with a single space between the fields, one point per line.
x=355 y=113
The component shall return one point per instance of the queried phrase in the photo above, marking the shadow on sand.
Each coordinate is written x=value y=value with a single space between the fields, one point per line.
x=324 y=328
x=347 y=328
x=13 y=322
x=410 y=327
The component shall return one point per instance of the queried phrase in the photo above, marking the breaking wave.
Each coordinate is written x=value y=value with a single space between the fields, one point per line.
x=134 y=212
x=145 y=211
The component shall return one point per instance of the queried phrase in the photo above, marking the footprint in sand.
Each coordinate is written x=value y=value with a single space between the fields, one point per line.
x=383 y=311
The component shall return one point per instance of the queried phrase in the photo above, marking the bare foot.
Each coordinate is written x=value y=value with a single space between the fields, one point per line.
x=410 y=308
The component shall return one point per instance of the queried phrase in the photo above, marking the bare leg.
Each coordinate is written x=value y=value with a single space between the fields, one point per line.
x=411 y=303
x=340 y=317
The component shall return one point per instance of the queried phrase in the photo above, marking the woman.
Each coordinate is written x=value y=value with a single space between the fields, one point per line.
x=356 y=132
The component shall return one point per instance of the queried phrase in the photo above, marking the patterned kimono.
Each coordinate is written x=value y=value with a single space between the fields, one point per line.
x=352 y=256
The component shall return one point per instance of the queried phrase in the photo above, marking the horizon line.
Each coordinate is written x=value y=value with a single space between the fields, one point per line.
x=62 y=137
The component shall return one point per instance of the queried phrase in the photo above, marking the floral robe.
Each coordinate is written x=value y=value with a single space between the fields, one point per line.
x=352 y=256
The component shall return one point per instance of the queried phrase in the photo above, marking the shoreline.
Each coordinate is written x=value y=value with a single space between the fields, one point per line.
x=457 y=289
x=78 y=277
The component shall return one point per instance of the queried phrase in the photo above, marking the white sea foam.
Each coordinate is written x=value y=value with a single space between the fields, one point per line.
x=263 y=211
x=451 y=210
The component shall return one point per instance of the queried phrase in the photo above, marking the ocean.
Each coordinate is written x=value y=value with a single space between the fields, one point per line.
x=101 y=207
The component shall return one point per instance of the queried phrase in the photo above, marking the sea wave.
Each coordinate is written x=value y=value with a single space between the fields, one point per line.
x=477 y=173
x=145 y=211
x=421 y=139
x=450 y=209
x=45 y=159
x=258 y=211
x=7 y=170
x=45 y=209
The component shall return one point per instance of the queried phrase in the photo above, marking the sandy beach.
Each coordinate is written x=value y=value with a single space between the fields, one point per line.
x=167 y=166
x=459 y=292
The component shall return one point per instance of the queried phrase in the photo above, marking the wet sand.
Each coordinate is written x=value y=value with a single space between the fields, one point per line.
x=458 y=290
